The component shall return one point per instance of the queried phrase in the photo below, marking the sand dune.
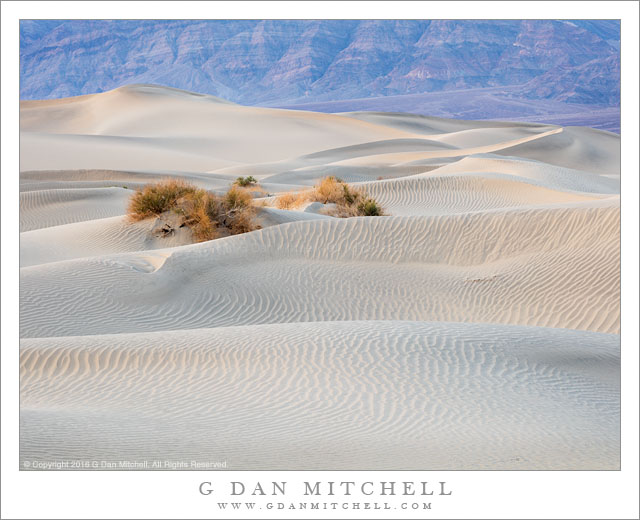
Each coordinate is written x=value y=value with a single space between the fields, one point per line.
x=475 y=137
x=343 y=395
x=274 y=217
x=554 y=177
x=517 y=267
x=462 y=193
x=475 y=327
x=428 y=125
x=127 y=128
x=93 y=238
x=46 y=208
x=61 y=179
x=578 y=148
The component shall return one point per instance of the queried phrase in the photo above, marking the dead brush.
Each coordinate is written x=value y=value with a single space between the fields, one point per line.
x=207 y=215
x=237 y=198
x=328 y=190
x=154 y=199
x=349 y=201
x=291 y=199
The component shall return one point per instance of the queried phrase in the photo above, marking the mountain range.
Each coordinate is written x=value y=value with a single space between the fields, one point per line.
x=294 y=62
x=320 y=60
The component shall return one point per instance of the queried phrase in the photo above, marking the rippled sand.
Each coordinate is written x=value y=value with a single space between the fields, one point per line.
x=476 y=327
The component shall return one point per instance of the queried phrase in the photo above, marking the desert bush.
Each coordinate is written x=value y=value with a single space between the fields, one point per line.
x=349 y=201
x=237 y=198
x=291 y=199
x=157 y=198
x=202 y=226
x=209 y=216
x=245 y=181
x=195 y=207
x=236 y=211
x=328 y=190
x=341 y=211
x=369 y=208
x=241 y=220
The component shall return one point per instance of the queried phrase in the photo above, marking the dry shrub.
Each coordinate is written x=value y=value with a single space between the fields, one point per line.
x=203 y=227
x=241 y=220
x=291 y=199
x=341 y=211
x=328 y=190
x=209 y=216
x=153 y=199
x=237 y=198
x=236 y=211
x=370 y=208
x=349 y=201
x=246 y=181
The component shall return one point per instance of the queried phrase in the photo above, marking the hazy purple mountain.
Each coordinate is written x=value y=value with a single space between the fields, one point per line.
x=294 y=62
x=481 y=103
x=320 y=60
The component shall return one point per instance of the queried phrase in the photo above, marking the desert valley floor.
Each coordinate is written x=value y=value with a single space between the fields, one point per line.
x=475 y=327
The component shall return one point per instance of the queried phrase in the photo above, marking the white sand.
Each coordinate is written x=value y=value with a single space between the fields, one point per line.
x=474 y=328
x=344 y=395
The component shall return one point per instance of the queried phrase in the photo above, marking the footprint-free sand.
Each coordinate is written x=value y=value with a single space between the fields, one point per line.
x=474 y=327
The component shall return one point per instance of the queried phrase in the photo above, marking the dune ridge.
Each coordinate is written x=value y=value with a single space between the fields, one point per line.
x=513 y=267
x=476 y=326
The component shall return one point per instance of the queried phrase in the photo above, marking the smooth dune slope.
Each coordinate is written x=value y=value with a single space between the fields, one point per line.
x=429 y=125
x=129 y=126
x=39 y=180
x=595 y=151
x=475 y=326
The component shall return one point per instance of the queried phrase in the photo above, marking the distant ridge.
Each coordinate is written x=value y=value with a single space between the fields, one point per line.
x=288 y=62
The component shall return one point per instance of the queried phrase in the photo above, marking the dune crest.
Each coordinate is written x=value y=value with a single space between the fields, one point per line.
x=474 y=327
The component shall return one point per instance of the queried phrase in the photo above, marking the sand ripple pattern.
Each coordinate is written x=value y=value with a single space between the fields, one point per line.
x=476 y=327
x=347 y=395
x=464 y=193
x=555 y=267
x=93 y=238
x=47 y=208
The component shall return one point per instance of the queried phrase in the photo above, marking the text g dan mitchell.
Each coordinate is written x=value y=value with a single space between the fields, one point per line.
x=345 y=488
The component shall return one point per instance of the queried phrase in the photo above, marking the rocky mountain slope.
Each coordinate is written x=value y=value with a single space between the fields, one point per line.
x=276 y=62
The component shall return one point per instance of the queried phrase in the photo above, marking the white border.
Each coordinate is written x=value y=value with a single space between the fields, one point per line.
x=174 y=495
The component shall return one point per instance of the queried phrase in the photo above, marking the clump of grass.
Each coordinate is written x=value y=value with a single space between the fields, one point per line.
x=328 y=190
x=291 y=200
x=209 y=216
x=237 y=198
x=195 y=207
x=349 y=201
x=241 y=220
x=246 y=181
x=157 y=198
x=341 y=211
x=370 y=208
x=237 y=212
